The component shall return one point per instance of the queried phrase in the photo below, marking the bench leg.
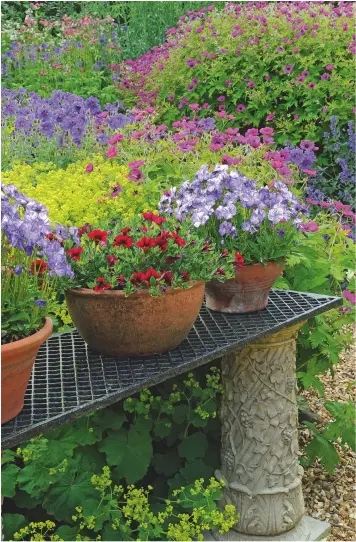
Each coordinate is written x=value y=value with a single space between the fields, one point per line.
x=259 y=454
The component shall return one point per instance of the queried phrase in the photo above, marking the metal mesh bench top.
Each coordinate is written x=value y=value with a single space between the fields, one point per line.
x=70 y=380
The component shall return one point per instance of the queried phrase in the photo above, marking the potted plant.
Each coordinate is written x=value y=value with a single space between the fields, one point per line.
x=254 y=228
x=137 y=287
x=32 y=256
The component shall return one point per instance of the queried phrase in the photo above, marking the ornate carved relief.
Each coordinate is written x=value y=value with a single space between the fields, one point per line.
x=259 y=436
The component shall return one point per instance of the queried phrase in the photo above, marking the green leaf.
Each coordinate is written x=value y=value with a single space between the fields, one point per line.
x=131 y=451
x=9 y=480
x=196 y=469
x=108 y=418
x=7 y=456
x=67 y=533
x=167 y=464
x=320 y=448
x=162 y=428
x=11 y=524
x=180 y=413
x=73 y=488
x=193 y=446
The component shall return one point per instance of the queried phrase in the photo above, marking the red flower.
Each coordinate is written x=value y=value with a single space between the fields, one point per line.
x=144 y=229
x=178 y=240
x=206 y=247
x=172 y=259
x=152 y=273
x=125 y=231
x=112 y=260
x=121 y=280
x=151 y=217
x=220 y=271
x=99 y=236
x=162 y=240
x=74 y=253
x=122 y=241
x=84 y=229
x=239 y=260
x=167 y=276
x=40 y=266
x=146 y=243
x=185 y=276
x=101 y=285
x=51 y=237
x=224 y=254
x=137 y=278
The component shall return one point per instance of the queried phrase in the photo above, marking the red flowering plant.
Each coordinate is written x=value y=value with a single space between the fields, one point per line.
x=148 y=253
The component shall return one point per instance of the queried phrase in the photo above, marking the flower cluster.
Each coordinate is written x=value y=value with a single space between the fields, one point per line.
x=149 y=252
x=292 y=85
x=228 y=205
x=27 y=227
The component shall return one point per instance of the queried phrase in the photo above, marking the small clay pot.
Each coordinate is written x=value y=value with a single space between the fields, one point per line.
x=137 y=325
x=247 y=292
x=17 y=360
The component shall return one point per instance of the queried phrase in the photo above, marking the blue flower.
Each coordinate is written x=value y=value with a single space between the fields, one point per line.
x=40 y=303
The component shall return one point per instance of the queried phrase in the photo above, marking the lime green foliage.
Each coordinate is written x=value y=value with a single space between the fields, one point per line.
x=83 y=473
x=74 y=196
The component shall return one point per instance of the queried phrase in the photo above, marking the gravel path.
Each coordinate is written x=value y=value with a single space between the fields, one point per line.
x=333 y=497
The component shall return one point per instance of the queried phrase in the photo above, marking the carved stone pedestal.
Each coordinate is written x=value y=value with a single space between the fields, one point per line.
x=259 y=453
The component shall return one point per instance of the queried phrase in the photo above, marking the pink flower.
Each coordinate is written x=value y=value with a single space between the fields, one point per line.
x=267 y=77
x=349 y=296
x=228 y=82
x=288 y=68
x=170 y=98
x=309 y=172
x=115 y=139
x=296 y=116
x=251 y=84
x=329 y=67
x=221 y=98
x=311 y=85
x=240 y=107
x=194 y=107
x=238 y=52
x=309 y=227
x=136 y=164
x=89 y=168
x=112 y=151
x=270 y=116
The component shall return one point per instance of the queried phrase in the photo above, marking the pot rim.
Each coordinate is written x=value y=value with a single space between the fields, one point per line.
x=88 y=292
x=269 y=262
x=39 y=337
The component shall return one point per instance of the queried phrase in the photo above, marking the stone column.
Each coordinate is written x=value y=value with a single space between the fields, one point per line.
x=259 y=437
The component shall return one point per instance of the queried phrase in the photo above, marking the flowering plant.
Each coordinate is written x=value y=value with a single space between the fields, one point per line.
x=32 y=256
x=148 y=253
x=259 y=224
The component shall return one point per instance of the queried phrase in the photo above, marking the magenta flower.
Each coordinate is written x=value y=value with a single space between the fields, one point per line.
x=349 y=296
x=309 y=227
x=267 y=77
x=311 y=85
x=112 y=151
x=296 y=116
x=324 y=76
x=270 y=116
x=221 y=98
x=288 y=68
x=194 y=107
x=170 y=97
x=228 y=82
x=251 y=84
x=240 y=107
x=329 y=67
x=89 y=168
x=238 y=52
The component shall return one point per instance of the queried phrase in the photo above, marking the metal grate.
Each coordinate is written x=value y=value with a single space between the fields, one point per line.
x=70 y=380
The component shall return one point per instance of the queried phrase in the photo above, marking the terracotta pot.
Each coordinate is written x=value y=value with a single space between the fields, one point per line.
x=247 y=292
x=17 y=360
x=137 y=325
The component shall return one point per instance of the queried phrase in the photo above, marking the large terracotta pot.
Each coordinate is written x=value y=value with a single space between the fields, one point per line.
x=247 y=292
x=137 y=325
x=17 y=360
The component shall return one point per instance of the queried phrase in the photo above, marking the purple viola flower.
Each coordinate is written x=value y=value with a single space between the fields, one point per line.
x=40 y=303
x=226 y=228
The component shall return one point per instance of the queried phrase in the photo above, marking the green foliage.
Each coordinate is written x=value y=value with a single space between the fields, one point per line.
x=341 y=430
x=82 y=473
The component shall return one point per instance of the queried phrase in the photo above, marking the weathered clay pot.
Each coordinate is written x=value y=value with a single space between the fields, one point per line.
x=137 y=325
x=17 y=360
x=247 y=292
